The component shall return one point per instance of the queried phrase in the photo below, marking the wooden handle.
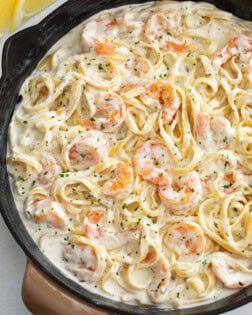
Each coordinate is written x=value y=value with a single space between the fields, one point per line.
x=43 y=296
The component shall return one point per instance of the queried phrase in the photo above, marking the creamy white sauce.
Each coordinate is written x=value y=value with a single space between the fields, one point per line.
x=71 y=44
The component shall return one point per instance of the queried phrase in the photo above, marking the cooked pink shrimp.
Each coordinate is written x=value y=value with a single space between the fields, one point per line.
x=182 y=196
x=91 y=149
x=223 y=132
x=83 y=261
x=50 y=171
x=50 y=212
x=94 y=30
x=230 y=273
x=138 y=73
x=152 y=161
x=119 y=239
x=161 y=26
x=104 y=48
x=160 y=283
x=238 y=45
x=94 y=228
x=92 y=222
x=165 y=94
x=217 y=130
x=120 y=180
x=186 y=240
x=131 y=23
x=202 y=128
x=234 y=181
x=110 y=113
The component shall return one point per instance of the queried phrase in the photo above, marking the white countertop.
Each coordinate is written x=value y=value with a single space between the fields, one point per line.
x=13 y=260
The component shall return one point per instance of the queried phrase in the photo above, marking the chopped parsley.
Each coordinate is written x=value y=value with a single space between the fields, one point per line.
x=100 y=67
x=189 y=54
x=138 y=221
x=64 y=175
x=227 y=185
x=225 y=140
x=124 y=205
x=226 y=164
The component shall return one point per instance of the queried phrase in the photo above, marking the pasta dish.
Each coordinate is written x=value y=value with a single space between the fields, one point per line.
x=130 y=154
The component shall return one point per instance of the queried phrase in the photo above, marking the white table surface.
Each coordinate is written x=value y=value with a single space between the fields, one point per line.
x=12 y=258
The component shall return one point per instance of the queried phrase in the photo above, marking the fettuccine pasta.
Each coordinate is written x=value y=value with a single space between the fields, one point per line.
x=130 y=154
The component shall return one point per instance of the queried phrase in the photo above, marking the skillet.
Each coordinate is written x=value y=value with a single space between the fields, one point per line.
x=21 y=54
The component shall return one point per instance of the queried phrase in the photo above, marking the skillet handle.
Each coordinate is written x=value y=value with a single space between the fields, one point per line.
x=42 y=296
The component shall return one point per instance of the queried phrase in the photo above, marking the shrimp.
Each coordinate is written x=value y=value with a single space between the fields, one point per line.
x=91 y=149
x=183 y=196
x=218 y=130
x=120 y=180
x=92 y=222
x=151 y=162
x=165 y=94
x=100 y=29
x=50 y=212
x=160 y=283
x=176 y=47
x=186 y=240
x=232 y=274
x=83 y=259
x=236 y=46
x=119 y=239
x=94 y=229
x=160 y=27
x=232 y=181
x=110 y=114
x=223 y=132
x=104 y=48
x=202 y=128
x=131 y=23
x=50 y=170
x=137 y=73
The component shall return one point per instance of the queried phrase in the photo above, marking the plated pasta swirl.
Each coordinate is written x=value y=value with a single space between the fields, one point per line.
x=131 y=154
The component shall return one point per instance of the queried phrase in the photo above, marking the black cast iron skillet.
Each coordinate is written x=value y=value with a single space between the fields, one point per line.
x=21 y=54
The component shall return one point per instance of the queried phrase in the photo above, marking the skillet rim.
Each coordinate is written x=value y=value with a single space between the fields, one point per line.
x=17 y=65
